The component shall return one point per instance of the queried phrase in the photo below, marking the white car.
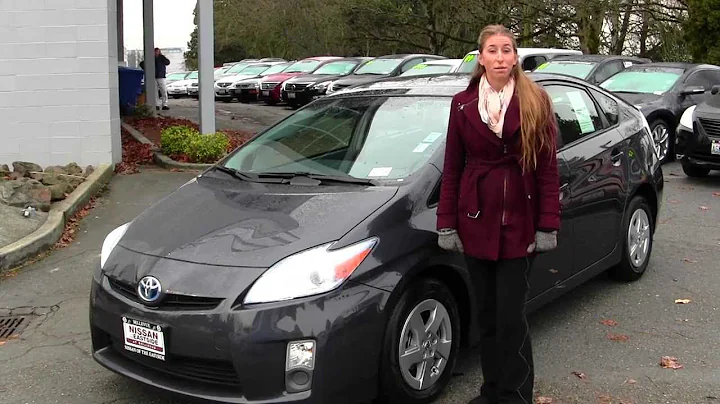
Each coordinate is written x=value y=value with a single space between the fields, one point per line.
x=179 y=88
x=442 y=66
x=530 y=58
x=222 y=86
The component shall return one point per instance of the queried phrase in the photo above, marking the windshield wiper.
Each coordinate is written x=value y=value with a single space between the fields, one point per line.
x=244 y=176
x=346 y=179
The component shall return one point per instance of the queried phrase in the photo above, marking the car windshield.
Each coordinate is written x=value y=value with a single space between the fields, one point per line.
x=337 y=68
x=275 y=69
x=568 y=67
x=303 y=66
x=237 y=68
x=468 y=63
x=192 y=75
x=255 y=69
x=176 y=76
x=377 y=137
x=379 y=66
x=422 y=68
x=646 y=80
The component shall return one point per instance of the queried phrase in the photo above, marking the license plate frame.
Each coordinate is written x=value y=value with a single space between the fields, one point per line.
x=266 y=93
x=715 y=147
x=291 y=95
x=144 y=338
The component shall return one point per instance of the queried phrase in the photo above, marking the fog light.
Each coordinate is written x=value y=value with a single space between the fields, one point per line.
x=299 y=366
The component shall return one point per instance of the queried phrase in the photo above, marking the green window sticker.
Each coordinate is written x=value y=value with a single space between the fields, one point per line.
x=581 y=112
x=420 y=66
x=542 y=66
x=469 y=57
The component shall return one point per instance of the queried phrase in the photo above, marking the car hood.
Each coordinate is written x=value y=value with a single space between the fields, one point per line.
x=639 y=99
x=236 y=77
x=280 y=77
x=181 y=82
x=227 y=222
x=354 y=79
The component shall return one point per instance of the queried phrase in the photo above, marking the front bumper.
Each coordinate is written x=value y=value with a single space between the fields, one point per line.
x=245 y=93
x=270 y=95
x=694 y=147
x=236 y=354
x=223 y=92
x=301 y=97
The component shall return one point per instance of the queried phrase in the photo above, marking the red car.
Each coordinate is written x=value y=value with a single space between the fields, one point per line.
x=270 y=86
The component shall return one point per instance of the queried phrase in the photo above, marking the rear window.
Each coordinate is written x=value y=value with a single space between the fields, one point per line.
x=376 y=137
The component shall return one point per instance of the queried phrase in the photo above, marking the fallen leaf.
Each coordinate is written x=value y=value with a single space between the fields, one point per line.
x=580 y=375
x=669 y=362
x=629 y=381
x=704 y=208
x=609 y=323
x=682 y=301
x=673 y=201
x=617 y=337
x=2 y=343
x=544 y=400
x=690 y=260
x=605 y=399
x=716 y=194
x=553 y=271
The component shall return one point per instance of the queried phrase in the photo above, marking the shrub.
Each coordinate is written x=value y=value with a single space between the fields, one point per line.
x=207 y=148
x=176 y=139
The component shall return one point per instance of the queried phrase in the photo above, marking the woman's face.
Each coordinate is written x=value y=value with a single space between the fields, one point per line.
x=498 y=57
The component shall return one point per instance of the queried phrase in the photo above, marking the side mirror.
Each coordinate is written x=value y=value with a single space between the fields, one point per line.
x=693 y=90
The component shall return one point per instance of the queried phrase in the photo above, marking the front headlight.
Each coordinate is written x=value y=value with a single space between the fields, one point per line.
x=686 y=119
x=321 y=86
x=311 y=272
x=110 y=242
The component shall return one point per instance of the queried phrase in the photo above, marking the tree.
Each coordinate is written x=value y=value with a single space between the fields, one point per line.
x=702 y=30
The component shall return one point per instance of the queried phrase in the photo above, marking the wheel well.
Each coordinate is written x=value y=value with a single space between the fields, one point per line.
x=666 y=116
x=457 y=286
x=646 y=191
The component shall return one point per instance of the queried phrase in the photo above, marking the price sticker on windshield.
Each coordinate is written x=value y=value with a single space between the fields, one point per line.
x=469 y=58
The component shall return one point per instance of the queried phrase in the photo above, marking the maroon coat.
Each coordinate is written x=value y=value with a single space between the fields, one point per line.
x=484 y=194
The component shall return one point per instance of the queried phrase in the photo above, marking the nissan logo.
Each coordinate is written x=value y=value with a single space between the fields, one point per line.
x=149 y=289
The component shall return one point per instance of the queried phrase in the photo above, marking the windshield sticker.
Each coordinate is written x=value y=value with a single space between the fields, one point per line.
x=581 y=112
x=627 y=63
x=433 y=136
x=542 y=66
x=380 y=172
x=420 y=66
x=421 y=147
x=469 y=58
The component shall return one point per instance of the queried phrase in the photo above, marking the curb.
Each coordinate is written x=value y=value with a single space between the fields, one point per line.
x=159 y=158
x=50 y=232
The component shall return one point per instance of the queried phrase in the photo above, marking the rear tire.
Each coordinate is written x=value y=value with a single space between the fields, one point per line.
x=695 y=171
x=425 y=296
x=637 y=241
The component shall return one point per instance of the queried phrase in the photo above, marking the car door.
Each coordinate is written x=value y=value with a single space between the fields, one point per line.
x=704 y=78
x=595 y=152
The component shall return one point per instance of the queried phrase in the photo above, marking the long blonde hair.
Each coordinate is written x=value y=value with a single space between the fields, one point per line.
x=535 y=108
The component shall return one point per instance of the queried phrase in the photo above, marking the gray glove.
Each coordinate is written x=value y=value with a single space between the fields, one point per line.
x=543 y=241
x=448 y=239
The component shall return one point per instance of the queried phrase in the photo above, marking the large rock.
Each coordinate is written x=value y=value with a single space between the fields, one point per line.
x=73 y=169
x=25 y=168
x=57 y=191
x=55 y=170
x=88 y=170
x=26 y=192
x=4 y=170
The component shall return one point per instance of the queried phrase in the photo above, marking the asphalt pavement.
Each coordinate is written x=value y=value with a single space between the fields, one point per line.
x=51 y=362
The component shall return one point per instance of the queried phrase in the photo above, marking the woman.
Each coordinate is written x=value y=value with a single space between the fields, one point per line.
x=499 y=205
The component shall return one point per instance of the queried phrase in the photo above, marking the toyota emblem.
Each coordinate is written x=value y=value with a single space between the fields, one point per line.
x=149 y=289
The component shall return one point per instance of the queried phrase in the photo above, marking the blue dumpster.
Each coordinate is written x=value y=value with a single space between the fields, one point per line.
x=130 y=83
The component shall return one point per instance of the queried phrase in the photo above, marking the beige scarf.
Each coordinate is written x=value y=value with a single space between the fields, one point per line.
x=493 y=104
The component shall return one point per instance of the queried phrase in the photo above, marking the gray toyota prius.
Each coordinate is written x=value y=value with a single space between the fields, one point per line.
x=304 y=266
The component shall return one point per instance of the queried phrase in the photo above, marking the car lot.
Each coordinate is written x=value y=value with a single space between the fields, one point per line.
x=568 y=335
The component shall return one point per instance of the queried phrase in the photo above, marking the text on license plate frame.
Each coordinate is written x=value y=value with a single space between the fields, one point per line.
x=144 y=338
x=715 y=147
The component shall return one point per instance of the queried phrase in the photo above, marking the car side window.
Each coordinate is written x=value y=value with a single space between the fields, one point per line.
x=704 y=78
x=531 y=62
x=608 y=106
x=576 y=113
x=608 y=71
x=410 y=64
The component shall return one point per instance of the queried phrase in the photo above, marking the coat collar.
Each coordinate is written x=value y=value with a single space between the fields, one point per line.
x=468 y=100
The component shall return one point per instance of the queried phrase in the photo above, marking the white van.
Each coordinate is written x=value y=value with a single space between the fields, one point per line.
x=530 y=58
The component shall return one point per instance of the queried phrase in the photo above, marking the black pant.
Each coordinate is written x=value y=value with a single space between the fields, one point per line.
x=506 y=352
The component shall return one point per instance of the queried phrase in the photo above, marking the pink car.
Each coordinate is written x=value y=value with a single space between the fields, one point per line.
x=270 y=86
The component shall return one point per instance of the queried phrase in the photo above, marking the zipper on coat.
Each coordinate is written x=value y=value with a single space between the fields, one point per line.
x=504 y=221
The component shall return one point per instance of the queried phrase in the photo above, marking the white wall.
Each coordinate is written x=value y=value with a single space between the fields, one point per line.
x=59 y=82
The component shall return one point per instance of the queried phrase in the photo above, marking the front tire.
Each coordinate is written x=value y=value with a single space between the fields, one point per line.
x=421 y=344
x=664 y=139
x=637 y=241
x=695 y=171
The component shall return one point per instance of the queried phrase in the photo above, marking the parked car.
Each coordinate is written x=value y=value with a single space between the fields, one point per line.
x=247 y=89
x=592 y=68
x=441 y=66
x=176 y=76
x=222 y=86
x=381 y=67
x=271 y=86
x=663 y=91
x=697 y=144
x=302 y=89
x=529 y=58
x=304 y=266
x=179 y=88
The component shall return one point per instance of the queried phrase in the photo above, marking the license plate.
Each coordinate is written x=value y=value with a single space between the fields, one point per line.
x=222 y=91
x=291 y=95
x=266 y=93
x=715 y=147
x=144 y=338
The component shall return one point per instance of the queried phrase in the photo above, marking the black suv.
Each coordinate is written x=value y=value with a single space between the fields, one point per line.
x=697 y=144
x=592 y=68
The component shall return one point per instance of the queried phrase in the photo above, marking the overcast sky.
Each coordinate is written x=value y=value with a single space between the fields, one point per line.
x=173 y=23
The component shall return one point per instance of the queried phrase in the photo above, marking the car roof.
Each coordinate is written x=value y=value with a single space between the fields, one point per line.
x=437 y=85
x=322 y=58
x=530 y=51
x=599 y=58
x=409 y=55
x=450 y=62
x=671 y=65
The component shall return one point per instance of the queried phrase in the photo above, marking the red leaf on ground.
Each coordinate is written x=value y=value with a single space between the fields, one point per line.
x=605 y=399
x=609 y=323
x=716 y=194
x=134 y=153
x=617 y=337
x=673 y=201
x=544 y=400
x=580 y=375
x=72 y=224
x=669 y=362
x=689 y=260
x=704 y=208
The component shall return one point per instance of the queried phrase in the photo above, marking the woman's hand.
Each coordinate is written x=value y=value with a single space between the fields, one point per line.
x=544 y=241
x=448 y=239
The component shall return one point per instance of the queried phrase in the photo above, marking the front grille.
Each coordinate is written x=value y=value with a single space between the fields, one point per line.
x=223 y=84
x=204 y=370
x=711 y=126
x=170 y=301
x=296 y=86
x=194 y=84
x=246 y=85
x=269 y=86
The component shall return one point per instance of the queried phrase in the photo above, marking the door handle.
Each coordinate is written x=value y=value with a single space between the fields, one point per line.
x=563 y=187
x=616 y=158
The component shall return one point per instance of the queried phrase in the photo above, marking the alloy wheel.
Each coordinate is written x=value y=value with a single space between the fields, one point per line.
x=638 y=238
x=661 y=136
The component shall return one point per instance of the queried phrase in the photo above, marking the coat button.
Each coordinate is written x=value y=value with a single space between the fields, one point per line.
x=529 y=196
